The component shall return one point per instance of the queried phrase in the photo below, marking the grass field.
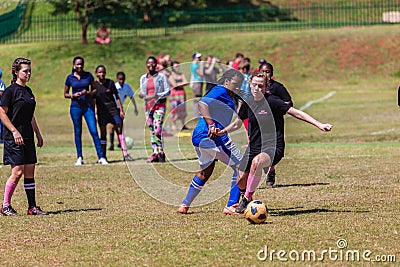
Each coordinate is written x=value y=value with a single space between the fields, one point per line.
x=330 y=186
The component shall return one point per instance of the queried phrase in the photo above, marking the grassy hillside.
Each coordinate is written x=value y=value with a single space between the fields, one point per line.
x=360 y=64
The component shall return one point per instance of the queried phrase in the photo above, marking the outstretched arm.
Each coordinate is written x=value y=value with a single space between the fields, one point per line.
x=301 y=115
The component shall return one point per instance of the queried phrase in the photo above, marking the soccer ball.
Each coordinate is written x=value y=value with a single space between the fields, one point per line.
x=129 y=142
x=256 y=212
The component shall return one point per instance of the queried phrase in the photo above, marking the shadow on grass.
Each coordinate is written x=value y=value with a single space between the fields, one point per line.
x=263 y=186
x=293 y=212
x=290 y=185
x=67 y=211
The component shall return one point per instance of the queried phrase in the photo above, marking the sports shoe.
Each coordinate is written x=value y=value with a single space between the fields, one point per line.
x=36 y=211
x=271 y=179
x=242 y=205
x=128 y=157
x=8 y=211
x=231 y=209
x=183 y=209
x=79 y=161
x=161 y=157
x=102 y=161
x=111 y=147
x=153 y=158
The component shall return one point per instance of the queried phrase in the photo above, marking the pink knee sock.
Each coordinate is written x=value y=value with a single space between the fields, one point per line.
x=121 y=139
x=252 y=183
x=8 y=192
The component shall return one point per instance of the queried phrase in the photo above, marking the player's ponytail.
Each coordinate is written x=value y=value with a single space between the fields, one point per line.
x=16 y=66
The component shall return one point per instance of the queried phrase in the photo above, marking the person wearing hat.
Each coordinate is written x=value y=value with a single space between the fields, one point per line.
x=2 y=88
x=196 y=81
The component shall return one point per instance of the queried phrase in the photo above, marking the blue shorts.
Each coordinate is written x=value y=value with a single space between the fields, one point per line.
x=14 y=154
x=103 y=120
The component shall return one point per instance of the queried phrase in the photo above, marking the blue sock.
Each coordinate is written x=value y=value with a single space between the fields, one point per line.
x=194 y=189
x=234 y=194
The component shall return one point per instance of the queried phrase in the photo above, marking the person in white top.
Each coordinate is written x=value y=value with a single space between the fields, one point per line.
x=124 y=91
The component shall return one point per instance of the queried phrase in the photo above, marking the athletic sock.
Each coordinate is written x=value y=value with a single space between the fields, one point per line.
x=234 y=193
x=29 y=185
x=8 y=192
x=122 y=141
x=252 y=183
x=112 y=139
x=194 y=189
x=103 y=143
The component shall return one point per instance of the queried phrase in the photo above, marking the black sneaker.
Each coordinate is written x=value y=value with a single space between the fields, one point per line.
x=242 y=205
x=128 y=158
x=8 y=211
x=161 y=157
x=271 y=179
x=36 y=211
x=111 y=147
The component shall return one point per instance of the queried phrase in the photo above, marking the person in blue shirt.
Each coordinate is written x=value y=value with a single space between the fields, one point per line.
x=196 y=81
x=124 y=90
x=217 y=108
x=83 y=89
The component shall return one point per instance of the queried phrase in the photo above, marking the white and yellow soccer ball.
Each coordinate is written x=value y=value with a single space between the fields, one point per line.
x=129 y=142
x=256 y=212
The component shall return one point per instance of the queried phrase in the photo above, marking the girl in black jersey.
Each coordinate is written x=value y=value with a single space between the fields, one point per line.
x=17 y=113
x=107 y=111
x=264 y=147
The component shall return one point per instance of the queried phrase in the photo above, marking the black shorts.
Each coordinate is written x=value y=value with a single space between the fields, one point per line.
x=276 y=154
x=14 y=154
x=104 y=119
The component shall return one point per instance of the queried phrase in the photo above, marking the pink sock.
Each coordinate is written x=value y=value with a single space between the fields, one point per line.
x=121 y=139
x=8 y=192
x=252 y=183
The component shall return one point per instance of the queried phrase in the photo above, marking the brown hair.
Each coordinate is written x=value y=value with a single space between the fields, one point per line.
x=261 y=75
x=16 y=66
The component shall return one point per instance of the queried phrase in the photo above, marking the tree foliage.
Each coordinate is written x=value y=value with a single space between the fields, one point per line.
x=150 y=13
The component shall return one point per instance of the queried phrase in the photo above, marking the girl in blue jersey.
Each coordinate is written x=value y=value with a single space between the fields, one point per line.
x=107 y=111
x=17 y=113
x=216 y=108
x=83 y=89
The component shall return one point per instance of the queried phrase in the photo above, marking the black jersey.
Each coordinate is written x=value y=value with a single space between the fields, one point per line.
x=262 y=134
x=21 y=105
x=105 y=100
x=279 y=90
x=279 y=109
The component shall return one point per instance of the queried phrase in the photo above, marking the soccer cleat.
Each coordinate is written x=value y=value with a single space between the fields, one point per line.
x=8 y=211
x=102 y=161
x=36 y=211
x=231 y=209
x=79 y=161
x=271 y=179
x=111 y=147
x=161 y=157
x=128 y=157
x=183 y=209
x=242 y=205
x=153 y=158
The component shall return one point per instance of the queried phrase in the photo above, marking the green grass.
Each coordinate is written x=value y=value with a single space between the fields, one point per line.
x=342 y=184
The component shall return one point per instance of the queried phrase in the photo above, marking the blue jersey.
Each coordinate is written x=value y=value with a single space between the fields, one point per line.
x=221 y=107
